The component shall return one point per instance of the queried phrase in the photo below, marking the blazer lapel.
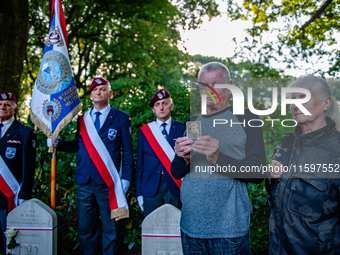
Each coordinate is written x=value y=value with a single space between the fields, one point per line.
x=109 y=119
x=9 y=132
x=173 y=130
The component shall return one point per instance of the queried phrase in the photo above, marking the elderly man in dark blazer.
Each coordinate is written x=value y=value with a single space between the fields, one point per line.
x=17 y=160
x=155 y=184
x=103 y=133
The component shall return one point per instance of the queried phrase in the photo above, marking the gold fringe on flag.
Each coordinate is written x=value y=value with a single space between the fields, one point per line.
x=120 y=213
x=41 y=125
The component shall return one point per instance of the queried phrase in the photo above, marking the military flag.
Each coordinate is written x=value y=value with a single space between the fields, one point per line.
x=55 y=99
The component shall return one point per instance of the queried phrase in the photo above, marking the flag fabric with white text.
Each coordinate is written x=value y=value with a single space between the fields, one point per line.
x=55 y=101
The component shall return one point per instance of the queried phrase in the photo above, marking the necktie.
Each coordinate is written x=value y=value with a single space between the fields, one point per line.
x=165 y=134
x=1 y=125
x=97 y=121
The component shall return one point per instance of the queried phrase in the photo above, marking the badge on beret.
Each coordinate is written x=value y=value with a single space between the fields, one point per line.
x=112 y=134
x=98 y=81
x=34 y=143
x=159 y=95
x=6 y=95
x=10 y=152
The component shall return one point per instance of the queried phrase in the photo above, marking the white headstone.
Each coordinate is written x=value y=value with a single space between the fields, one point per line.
x=161 y=234
x=37 y=228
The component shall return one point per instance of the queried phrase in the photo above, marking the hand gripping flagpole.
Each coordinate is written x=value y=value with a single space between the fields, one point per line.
x=55 y=101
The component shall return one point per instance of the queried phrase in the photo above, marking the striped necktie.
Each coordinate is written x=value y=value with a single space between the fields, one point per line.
x=165 y=134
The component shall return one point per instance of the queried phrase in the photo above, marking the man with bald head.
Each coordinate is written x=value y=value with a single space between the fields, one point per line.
x=17 y=160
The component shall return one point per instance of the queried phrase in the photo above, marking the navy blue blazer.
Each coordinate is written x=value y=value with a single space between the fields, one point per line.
x=18 y=150
x=116 y=135
x=149 y=167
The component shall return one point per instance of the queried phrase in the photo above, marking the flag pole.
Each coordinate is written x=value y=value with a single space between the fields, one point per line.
x=52 y=109
x=53 y=177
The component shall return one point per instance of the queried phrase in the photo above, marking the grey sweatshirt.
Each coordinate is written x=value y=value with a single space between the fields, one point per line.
x=215 y=206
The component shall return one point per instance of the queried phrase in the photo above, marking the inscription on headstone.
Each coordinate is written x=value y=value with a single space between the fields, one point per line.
x=161 y=233
x=37 y=228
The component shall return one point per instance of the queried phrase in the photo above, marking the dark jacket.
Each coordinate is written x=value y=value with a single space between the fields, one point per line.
x=305 y=215
x=120 y=122
x=149 y=166
x=21 y=141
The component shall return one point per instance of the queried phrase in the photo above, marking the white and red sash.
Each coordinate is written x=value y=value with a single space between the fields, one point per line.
x=161 y=147
x=9 y=186
x=105 y=165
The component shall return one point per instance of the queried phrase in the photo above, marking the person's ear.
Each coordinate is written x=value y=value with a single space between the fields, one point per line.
x=327 y=103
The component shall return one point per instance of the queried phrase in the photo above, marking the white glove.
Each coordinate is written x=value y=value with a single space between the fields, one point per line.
x=140 y=202
x=125 y=186
x=55 y=143
x=20 y=201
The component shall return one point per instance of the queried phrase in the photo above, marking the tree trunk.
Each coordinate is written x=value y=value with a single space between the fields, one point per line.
x=13 y=41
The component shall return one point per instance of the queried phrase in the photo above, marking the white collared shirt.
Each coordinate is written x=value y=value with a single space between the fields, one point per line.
x=102 y=117
x=7 y=124
x=167 y=127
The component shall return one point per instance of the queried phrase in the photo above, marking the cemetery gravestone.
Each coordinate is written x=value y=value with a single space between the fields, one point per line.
x=161 y=234
x=37 y=228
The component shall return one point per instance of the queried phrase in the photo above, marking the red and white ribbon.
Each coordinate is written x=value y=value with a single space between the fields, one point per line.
x=103 y=161
x=161 y=147
x=9 y=186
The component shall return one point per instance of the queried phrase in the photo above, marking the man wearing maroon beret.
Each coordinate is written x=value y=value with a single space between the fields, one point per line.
x=103 y=133
x=155 y=185
x=17 y=160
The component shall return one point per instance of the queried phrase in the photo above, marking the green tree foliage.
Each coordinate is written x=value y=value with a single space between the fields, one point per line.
x=13 y=34
x=115 y=39
x=306 y=30
x=245 y=69
x=118 y=38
